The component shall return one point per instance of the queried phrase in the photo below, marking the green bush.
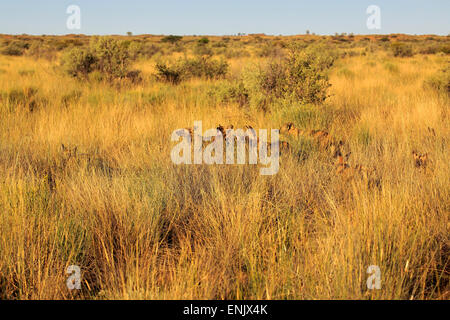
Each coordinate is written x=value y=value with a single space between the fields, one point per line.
x=301 y=76
x=400 y=49
x=171 y=39
x=105 y=55
x=203 y=41
x=200 y=67
x=78 y=62
x=203 y=67
x=169 y=73
x=231 y=92
x=111 y=57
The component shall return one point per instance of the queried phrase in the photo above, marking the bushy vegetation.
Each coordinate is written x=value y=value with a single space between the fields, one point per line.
x=79 y=62
x=199 y=67
x=40 y=50
x=15 y=48
x=400 y=49
x=171 y=39
x=112 y=202
x=301 y=76
x=105 y=55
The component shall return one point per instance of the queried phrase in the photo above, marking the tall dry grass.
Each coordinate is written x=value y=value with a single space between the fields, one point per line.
x=142 y=228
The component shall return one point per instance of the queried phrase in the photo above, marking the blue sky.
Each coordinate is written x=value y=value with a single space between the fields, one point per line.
x=225 y=17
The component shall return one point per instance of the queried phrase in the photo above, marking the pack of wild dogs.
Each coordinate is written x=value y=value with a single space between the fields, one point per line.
x=336 y=149
x=69 y=157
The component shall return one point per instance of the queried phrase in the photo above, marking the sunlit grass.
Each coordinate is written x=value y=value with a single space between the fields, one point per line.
x=147 y=229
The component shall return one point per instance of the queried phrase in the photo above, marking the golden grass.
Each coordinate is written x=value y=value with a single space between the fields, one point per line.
x=147 y=229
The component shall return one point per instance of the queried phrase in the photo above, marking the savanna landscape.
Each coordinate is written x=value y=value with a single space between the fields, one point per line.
x=86 y=176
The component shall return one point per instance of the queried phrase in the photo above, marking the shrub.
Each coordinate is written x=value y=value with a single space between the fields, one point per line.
x=15 y=48
x=78 y=62
x=301 y=76
x=203 y=41
x=111 y=58
x=169 y=73
x=40 y=50
x=201 y=67
x=400 y=49
x=105 y=55
x=204 y=67
x=232 y=92
x=171 y=39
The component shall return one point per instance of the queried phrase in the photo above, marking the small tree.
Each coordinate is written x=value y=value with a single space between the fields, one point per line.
x=78 y=62
x=171 y=39
x=105 y=55
x=301 y=76
x=112 y=59
x=203 y=41
x=129 y=33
